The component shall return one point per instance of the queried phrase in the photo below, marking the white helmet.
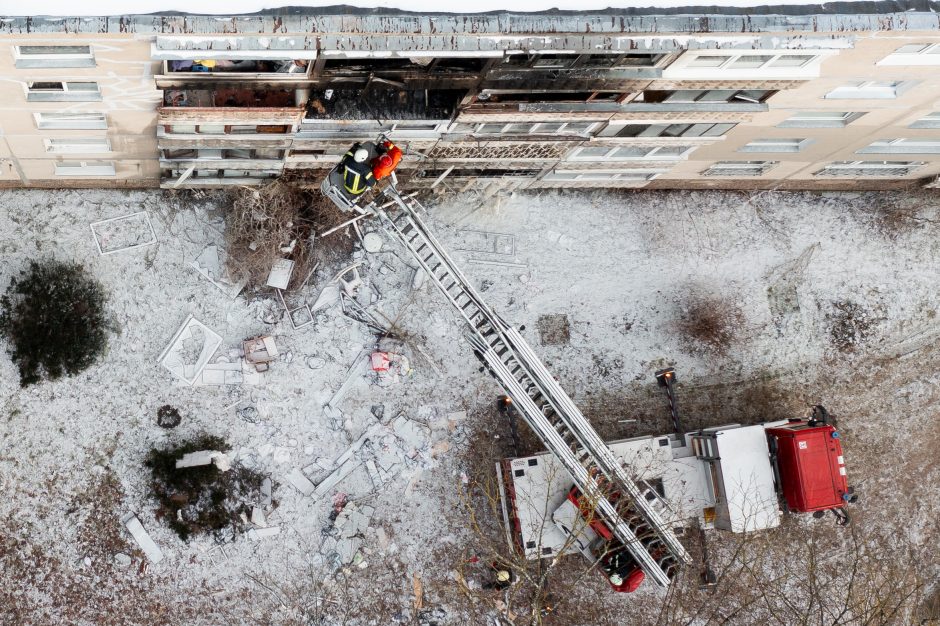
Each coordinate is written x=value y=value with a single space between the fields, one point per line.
x=361 y=155
x=615 y=579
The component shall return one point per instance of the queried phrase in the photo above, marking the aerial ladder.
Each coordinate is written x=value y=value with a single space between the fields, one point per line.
x=632 y=511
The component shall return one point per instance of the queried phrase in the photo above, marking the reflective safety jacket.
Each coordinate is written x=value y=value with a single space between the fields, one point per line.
x=386 y=162
x=357 y=177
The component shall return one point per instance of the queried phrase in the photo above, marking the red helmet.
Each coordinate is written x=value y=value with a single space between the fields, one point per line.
x=385 y=161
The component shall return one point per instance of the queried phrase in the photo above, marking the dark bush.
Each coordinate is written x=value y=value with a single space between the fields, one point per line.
x=709 y=324
x=206 y=499
x=53 y=316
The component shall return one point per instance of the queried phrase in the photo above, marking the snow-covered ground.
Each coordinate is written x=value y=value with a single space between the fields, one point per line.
x=620 y=266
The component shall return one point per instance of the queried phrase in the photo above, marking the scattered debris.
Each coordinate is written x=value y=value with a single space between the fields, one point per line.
x=350 y=280
x=190 y=350
x=488 y=242
x=151 y=549
x=168 y=417
x=297 y=478
x=498 y=263
x=248 y=413
x=389 y=367
x=127 y=232
x=279 y=277
x=260 y=351
x=372 y=242
x=341 y=546
x=205 y=457
x=210 y=264
x=256 y=534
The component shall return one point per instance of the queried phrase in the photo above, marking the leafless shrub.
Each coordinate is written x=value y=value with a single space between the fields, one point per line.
x=894 y=215
x=850 y=324
x=709 y=323
x=266 y=224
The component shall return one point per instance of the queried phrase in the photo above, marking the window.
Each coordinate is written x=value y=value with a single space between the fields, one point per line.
x=540 y=128
x=858 y=169
x=71 y=121
x=84 y=168
x=750 y=60
x=53 y=56
x=870 y=90
x=598 y=175
x=739 y=168
x=775 y=144
x=668 y=130
x=80 y=145
x=914 y=54
x=473 y=172
x=592 y=153
x=707 y=95
x=584 y=61
x=62 y=91
x=820 y=119
x=931 y=120
x=902 y=146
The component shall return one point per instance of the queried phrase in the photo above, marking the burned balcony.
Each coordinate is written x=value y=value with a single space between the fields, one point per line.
x=232 y=106
x=624 y=72
x=409 y=73
x=232 y=97
x=364 y=113
x=215 y=73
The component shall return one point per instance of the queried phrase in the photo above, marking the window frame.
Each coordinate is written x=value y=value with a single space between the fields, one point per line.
x=598 y=176
x=847 y=117
x=652 y=153
x=740 y=168
x=712 y=63
x=534 y=129
x=870 y=90
x=860 y=169
x=884 y=146
x=929 y=54
x=52 y=59
x=99 y=123
x=764 y=145
x=75 y=145
x=85 y=168
x=67 y=92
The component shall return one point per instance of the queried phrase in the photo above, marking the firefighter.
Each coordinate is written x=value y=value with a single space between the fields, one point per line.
x=357 y=173
x=388 y=159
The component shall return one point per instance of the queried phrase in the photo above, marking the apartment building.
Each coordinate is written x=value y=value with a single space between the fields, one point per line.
x=803 y=101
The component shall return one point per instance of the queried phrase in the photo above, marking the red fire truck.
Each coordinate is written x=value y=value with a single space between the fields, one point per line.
x=733 y=477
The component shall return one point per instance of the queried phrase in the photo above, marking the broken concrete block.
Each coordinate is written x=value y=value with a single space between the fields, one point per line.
x=151 y=549
x=205 y=457
x=301 y=482
x=256 y=534
x=279 y=277
x=258 y=518
x=266 y=487
x=122 y=560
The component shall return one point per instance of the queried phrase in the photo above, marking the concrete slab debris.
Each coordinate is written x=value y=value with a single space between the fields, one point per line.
x=266 y=491
x=257 y=534
x=279 y=277
x=260 y=351
x=300 y=482
x=258 y=518
x=127 y=232
x=372 y=242
x=190 y=350
x=151 y=549
x=211 y=265
x=220 y=374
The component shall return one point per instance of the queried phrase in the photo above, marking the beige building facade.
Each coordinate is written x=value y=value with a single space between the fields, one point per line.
x=815 y=101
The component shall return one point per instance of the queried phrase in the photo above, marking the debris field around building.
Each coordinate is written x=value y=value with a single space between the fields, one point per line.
x=359 y=400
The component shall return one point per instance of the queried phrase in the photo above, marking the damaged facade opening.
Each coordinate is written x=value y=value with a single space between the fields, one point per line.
x=258 y=96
